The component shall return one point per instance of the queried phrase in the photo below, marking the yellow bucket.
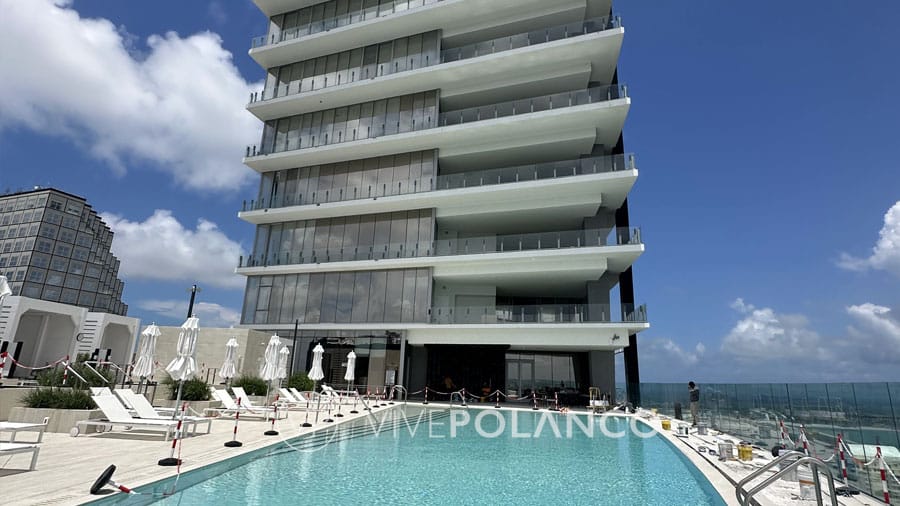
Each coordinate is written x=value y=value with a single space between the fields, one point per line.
x=745 y=452
x=667 y=425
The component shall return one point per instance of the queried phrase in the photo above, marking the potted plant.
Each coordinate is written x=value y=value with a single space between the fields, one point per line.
x=195 y=392
x=64 y=404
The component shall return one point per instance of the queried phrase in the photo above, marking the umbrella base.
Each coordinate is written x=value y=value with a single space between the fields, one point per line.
x=169 y=461
x=339 y=415
x=354 y=412
x=328 y=420
x=270 y=433
x=306 y=424
x=234 y=444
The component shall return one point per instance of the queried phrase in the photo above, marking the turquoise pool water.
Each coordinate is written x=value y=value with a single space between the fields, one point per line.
x=419 y=458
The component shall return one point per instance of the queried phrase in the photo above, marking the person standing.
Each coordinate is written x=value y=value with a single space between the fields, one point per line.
x=695 y=401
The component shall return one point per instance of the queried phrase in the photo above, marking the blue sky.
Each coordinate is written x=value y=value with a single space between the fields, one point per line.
x=763 y=132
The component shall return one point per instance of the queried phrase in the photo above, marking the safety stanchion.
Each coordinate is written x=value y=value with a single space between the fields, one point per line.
x=840 y=442
x=804 y=440
x=106 y=479
x=329 y=419
x=272 y=431
x=234 y=443
x=65 y=377
x=426 y=396
x=340 y=402
x=171 y=460
x=463 y=396
x=2 y=363
x=555 y=402
x=534 y=397
x=306 y=420
x=497 y=399
x=881 y=467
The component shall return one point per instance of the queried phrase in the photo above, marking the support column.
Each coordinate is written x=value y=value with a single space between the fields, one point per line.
x=626 y=295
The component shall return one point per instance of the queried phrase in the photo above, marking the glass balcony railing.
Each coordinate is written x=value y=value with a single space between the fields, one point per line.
x=450 y=247
x=498 y=45
x=472 y=179
x=501 y=110
x=363 y=14
x=544 y=313
x=866 y=415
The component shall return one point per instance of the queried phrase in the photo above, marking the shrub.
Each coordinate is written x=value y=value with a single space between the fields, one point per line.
x=54 y=377
x=253 y=385
x=301 y=382
x=195 y=389
x=58 y=398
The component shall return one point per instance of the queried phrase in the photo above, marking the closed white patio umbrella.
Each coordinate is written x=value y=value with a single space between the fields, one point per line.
x=184 y=365
x=350 y=375
x=228 y=369
x=269 y=372
x=316 y=374
x=145 y=364
x=283 y=356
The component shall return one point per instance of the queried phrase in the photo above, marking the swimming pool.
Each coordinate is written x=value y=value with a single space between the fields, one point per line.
x=474 y=456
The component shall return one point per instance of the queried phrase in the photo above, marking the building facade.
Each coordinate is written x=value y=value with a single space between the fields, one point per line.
x=54 y=247
x=444 y=191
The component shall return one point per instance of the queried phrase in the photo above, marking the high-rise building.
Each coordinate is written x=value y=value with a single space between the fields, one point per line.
x=54 y=247
x=444 y=190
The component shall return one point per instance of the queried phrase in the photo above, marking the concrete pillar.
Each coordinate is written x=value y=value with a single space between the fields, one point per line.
x=602 y=366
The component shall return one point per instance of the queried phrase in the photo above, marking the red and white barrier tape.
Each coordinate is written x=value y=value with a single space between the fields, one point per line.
x=5 y=356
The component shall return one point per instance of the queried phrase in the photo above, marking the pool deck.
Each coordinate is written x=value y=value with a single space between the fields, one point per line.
x=725 y=474
x=68 y=466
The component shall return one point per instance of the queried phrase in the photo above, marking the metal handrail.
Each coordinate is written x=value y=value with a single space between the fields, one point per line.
x=402 y=389
x=816 y=465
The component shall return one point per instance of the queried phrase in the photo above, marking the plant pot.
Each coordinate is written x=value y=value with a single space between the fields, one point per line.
x=61 y=420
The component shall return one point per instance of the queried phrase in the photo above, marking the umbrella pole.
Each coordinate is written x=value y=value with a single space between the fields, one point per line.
x=355 y=398
x=177 y=399
x=341 y=401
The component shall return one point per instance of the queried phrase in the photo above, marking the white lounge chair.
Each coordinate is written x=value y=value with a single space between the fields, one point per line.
x=14 y=448
x=15 y=427
x=117 y=415
x=304 y=396
x=146 y=411
x=230 y=407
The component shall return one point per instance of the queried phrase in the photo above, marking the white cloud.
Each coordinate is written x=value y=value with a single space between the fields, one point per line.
x=161 y=248
x=886 y=252
x=875 y=333
x=178 y=103
x=215 y=11
x=663 y=359
x=763 y=334
x=209 y=314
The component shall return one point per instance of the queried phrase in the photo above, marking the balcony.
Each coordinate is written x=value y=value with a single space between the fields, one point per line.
x=548 y=313
x=472 y=179
x=451 y=247
x=589 y=116
x=364 y=14
x=372 y=73
x=403 y=18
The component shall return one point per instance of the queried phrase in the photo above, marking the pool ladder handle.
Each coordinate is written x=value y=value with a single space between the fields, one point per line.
x=744 y=497
x=401 y=390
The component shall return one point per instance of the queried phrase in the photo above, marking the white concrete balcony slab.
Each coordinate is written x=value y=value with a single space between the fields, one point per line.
x=401 y=19
x=559 y=191
x=578 y=57
x=568 y=123
x=550 y=267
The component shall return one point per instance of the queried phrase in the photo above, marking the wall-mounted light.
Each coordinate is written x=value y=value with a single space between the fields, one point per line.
x=615 y=337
